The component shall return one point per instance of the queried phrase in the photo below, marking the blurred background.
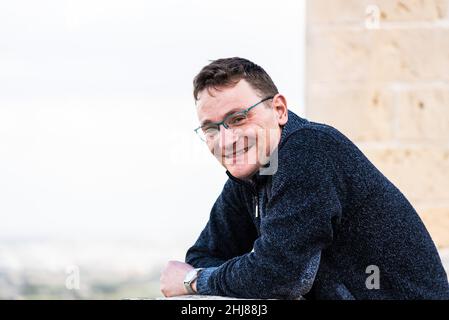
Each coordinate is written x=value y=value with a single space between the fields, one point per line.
x=102 y=179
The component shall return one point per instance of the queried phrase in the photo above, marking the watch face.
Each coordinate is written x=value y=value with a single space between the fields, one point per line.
x=190 y=275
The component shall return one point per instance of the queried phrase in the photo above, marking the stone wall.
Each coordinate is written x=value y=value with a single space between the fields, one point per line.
x=378 y=71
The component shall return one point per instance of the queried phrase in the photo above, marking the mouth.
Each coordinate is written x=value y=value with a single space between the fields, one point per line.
x=237 y=153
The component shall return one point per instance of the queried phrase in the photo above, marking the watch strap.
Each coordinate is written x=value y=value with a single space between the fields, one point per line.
x=188 y=284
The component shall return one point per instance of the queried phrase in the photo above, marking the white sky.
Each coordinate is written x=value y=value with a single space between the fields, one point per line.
x=97 y=115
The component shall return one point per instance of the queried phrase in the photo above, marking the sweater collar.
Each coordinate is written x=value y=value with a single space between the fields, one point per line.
x=293 y=124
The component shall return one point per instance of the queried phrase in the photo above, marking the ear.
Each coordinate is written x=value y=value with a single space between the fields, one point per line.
x=280 y=109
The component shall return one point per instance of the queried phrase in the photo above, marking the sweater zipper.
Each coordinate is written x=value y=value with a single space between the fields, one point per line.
x=257 y=206
x=252 y=188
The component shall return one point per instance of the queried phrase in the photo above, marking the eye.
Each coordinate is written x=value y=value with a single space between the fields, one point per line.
x=237 y=119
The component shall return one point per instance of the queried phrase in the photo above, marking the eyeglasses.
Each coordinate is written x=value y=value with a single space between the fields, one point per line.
x=210 y=131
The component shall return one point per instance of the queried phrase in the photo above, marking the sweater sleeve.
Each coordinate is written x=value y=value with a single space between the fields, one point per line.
x=296 y=227
x=229 y=232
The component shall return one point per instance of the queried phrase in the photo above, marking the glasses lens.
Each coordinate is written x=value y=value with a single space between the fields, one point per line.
x=208 y=133
x=236 y=119
x=200 y=134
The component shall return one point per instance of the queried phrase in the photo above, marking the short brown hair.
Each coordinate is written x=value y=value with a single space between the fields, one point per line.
x=227 y=72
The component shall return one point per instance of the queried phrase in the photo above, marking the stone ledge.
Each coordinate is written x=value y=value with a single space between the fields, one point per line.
x=201 y=297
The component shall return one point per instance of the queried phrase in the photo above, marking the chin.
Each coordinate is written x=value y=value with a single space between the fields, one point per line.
x=244 y=166
x=242 y=171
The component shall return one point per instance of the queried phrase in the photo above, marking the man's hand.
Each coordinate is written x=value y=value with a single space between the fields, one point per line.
x=172 y=278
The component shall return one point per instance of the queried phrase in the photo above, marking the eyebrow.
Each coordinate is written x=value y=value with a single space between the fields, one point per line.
x=227 y=114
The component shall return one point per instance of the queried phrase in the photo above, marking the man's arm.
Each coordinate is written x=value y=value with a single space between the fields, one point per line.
x=229 y=232
x=297 y=226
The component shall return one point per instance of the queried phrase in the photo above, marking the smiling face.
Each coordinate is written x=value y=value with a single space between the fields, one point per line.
x=243 y=149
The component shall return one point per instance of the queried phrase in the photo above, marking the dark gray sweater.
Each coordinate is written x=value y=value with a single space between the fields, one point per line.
x=320 y=227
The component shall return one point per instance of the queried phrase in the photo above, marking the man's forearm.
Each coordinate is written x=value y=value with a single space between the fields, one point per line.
x=200 y=258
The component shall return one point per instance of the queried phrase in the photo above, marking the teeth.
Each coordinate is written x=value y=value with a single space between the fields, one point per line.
x=240 y=152
x=237 y=153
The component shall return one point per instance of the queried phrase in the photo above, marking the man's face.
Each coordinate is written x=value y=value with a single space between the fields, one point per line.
x=243 y=149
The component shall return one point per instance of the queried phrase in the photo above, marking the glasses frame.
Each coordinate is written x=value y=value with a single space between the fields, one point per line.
x=223 y=123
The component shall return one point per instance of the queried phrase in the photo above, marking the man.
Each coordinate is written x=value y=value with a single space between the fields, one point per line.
x=304 y=213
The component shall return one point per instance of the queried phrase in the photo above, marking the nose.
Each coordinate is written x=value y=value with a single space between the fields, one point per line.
x=227 y=139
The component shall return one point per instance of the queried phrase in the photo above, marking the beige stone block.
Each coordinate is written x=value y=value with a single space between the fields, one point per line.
x=421 y=173
x=423 y=114
x=437 y=223
x=355 y=11
x=410 y=55
x=363 y=113
x=330 y=11
x=412 y=10
x=335 y=55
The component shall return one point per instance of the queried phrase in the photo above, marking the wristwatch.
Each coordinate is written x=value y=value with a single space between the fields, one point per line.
x=190 y=277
